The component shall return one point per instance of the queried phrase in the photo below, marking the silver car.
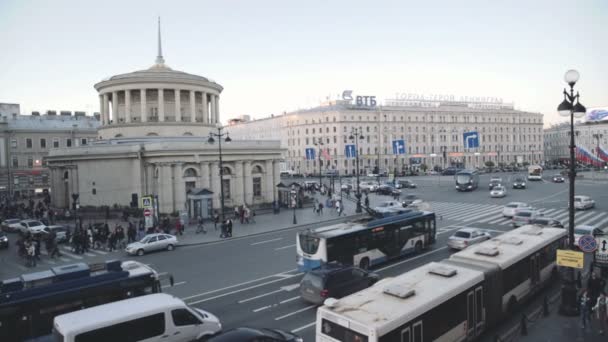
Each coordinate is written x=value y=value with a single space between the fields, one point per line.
x=498 y=191
x=152 y=242
x=465 y=237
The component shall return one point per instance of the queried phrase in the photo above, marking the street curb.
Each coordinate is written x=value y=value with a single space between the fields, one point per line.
x=301 y=226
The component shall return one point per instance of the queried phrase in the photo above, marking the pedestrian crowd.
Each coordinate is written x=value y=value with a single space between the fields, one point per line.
x=593 y=303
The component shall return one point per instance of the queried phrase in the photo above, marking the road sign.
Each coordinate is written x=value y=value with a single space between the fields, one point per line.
x=146 y=202
x=471 y=139
x=587 y=243
x=147 y=212
x=570 y=258
x=350 y=151
x=398 y=146
x=601 y=254
x=310 y=154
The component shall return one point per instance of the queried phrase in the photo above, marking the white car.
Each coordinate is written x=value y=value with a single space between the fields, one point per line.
x=498 y=191
x=32 y=226
x=524 y=216
x=387 y=205
x=583 y=202
x=509 y=209
x=584 y=230
x=152 y=242
x=465 y=237
x=368 y=186
x=11 y=225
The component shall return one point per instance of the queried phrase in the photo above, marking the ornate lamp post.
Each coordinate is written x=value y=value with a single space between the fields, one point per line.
x=572 y=107
x=294 y=202
x=319 y=144
x=211 y=140
x=356 y=136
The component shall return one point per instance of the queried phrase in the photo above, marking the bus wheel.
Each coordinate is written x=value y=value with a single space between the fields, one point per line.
x=364 y=264
x=512 y=305
x=418 y=247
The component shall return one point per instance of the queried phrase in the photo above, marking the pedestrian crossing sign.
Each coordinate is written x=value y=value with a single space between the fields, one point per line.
x=146 y=202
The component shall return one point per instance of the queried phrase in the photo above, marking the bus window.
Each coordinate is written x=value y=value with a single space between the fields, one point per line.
x=309 y=244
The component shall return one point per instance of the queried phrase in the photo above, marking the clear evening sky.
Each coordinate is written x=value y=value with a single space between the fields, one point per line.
x=275 y=56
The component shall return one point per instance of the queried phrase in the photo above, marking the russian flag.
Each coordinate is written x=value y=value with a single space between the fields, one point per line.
x=586 y=157
x=602 y=154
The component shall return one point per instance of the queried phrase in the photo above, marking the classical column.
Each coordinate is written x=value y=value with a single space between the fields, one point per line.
x=101 y=109
x=192 y=106
x=179 y=188
x=178 y=106
x=239 y=196
x=215 y=184
x=165 y=181
x=205 y=109
x=143 y=105
x=217 y=108
x=114 y=107
x=127 y=105
x=205 y=181
x=161 y=105
x=212 y=114
x=276 y=175
x=105 y=114
x=248 y=183
x=268 y=184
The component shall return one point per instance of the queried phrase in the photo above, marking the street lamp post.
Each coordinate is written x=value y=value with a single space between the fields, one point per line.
x=294 y=202
x=597 y=137
x=211 y=140
x=320 y=143
x=572 y=107
x=355 y=136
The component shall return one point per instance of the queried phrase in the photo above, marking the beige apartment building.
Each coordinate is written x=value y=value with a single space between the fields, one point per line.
x=433 y=132
x=588 y=135
x=25 y=141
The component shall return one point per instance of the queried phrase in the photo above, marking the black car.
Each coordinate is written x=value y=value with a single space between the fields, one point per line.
x=519 y=183
x=409 y=199
x=255 y=335
x=387 y=190
x=450 y=171
x=335 y=280
x=3 y=240
x=547 y=222
x=494 y=183
x=558 y=179
x=406 y=184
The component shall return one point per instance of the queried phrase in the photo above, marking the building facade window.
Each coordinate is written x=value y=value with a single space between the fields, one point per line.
x=42 y=143
x=30 y=162
x=226 y=188
x=257 y=186
x=13 y=143
x=55 y=142
x=68 y=142
x=15 y=161
x=83 y=141
x=29 y=143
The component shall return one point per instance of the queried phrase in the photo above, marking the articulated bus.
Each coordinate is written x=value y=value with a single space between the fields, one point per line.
x=29 y=303
x=366 y=242
x=456 y=299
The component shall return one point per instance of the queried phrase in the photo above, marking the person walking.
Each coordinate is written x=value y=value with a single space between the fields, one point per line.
x=595 y=285
x=585 y=309
x=366 y=201
x=216 y=220
x=315 y=207
x=601 y=312
x=200 y=227
x=229 y=227
x=338 y=207
x=31 y=255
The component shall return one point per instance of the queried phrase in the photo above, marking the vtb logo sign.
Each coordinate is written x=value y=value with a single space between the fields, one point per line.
x=361 y=101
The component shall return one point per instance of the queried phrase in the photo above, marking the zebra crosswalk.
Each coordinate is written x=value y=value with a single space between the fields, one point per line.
x=67 y=255
x=492 y=214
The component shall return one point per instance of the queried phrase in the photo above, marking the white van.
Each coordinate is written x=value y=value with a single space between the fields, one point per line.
x=155 y=317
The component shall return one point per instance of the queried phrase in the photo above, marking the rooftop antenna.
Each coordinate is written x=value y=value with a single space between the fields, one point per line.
x=159 y=58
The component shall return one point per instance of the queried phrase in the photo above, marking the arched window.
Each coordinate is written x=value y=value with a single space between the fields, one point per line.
x=257 y=169
x=190 y=172
x=118 y=135
x=188 y=134
x=152 y=134
x=226 y=171
x=66 y=175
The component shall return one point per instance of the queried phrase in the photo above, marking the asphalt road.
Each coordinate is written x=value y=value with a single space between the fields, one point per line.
x=253 y=281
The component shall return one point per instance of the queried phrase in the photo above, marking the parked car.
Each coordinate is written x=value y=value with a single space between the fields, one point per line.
x=11 y=225
x=583 y=202
x=498 y=191
x=465 y=237
x=406 y=184
x=585 y=230
x=509 y=209
x=3 y=240
x=335 y=280
x=388 y=190
x=558 y=179
x=409 y=199
x=152 y=242
x=368 y=186
x=546 y=222
x=384 y=206
x=524 y=216
x=495 y=181
x=255 y=335
x=519 y=183
x=31 y=226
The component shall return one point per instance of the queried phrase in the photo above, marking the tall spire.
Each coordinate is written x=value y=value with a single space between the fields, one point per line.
x=159 y=58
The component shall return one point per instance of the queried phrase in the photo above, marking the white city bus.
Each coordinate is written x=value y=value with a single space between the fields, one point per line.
x=366 y=242
x=535 y=172
x=456 y=299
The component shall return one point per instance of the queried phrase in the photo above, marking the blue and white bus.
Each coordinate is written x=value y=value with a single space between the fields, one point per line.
x=366 y=242
x=29 y=303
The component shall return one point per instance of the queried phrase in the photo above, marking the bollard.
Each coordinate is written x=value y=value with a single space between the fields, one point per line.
x=171 y=280
x=545 y=307
x=524 y=326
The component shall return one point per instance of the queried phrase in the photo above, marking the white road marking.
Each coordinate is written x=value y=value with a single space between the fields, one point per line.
x=480 y=210
x=72 y=255
x=260 y=296
x=599 y=224
x=236 y=285
x=578 y=218
x=412 y=259
x=178 y=283
x=295 y=312
x=303 y=327
x=235 y=291
x=285 y=247
x=488 y=213
x=64 y=259
x=547 y=211
x=491 y=218
x=285 y=276
x=262 y=308
x=266 y=241
x=289 y=300
x=99 y=251
x=593 y=218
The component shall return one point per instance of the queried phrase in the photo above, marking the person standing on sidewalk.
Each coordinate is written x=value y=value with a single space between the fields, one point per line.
x=601 y=311
x=595 y=285
x=366 y=201
x=585 y=309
